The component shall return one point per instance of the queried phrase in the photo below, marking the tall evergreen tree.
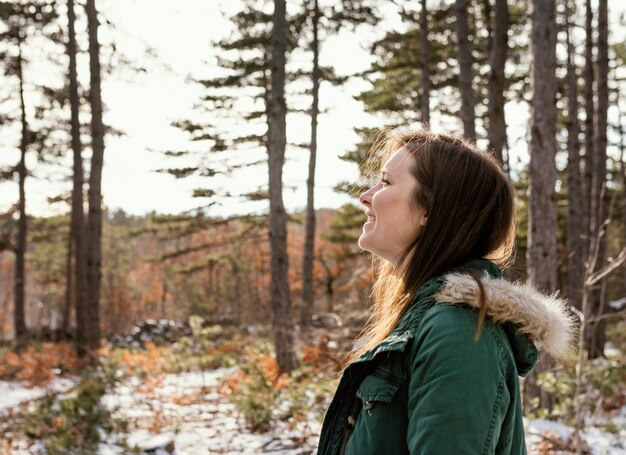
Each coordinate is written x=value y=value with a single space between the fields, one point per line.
x=466 y=73
x=588 y=125
x=542 y=225
x=309 y=242
x=94 y=219
x=496 y=130
x=596 y=335
x=20 y=21
x=424 y=65
x=575 y=221
x=279 y=287
x=352 y=13
x=77 y=236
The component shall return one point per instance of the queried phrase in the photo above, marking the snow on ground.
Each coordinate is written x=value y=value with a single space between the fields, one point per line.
x=185 y=414
x=190 y=413
x=15 y=393
x=599 y=440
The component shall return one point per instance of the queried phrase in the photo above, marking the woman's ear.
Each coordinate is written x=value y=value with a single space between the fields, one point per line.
x=423 y=219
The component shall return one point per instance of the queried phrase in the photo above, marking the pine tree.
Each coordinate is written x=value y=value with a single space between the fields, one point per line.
x=20 y=21
x=575 y=222
x=352 y=14
x=279 y=286
x=466 y=73
x=77 y=231
x=94 y=218
x=542 y=225
x=596 y=334
x=498 y=44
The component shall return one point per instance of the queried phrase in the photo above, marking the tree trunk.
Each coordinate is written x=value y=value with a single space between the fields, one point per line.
x=20 y=244
x=279 y=287
x=94 y=219
x=575 y=222
x=589 y=114
x=309 y=241
x=542 y=226
x=465 y=70
x=330 y=293
x=623 y=201
x=497 y=59
x=424 y=65
x=595 y=333
x=83 y=325
x=69 y=284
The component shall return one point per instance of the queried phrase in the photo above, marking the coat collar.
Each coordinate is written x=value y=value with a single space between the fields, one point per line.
x=530 y=319
x=544 y=319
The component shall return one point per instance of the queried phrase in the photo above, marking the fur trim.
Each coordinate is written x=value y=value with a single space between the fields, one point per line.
x=544 y=318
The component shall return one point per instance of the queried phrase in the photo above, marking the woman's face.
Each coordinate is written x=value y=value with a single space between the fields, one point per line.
x=393 y=220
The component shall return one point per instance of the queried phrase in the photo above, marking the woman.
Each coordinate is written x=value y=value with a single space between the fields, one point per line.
x=447 y=338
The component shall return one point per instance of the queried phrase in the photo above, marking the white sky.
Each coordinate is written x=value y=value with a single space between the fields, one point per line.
x=182 y=32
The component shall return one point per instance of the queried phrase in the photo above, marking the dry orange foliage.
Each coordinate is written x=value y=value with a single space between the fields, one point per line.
x=36 y=364
x=232 y=384
x=229 y=346
x=268 y=368
x=149 y=361
x=314 y=354
x=318 y=356
x=150 y=385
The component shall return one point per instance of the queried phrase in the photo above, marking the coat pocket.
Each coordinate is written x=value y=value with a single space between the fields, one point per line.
x=376 y=389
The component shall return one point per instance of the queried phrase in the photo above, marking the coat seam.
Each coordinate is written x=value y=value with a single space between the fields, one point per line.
x=501 y=380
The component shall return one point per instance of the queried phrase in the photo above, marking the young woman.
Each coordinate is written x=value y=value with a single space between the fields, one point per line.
x=436 y=370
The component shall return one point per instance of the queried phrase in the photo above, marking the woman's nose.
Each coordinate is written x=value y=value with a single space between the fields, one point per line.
x=365 y=197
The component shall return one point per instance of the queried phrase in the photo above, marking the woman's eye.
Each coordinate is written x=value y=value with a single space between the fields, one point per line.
x=385 y=181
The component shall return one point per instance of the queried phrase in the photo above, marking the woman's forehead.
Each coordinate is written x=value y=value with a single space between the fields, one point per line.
x=400 y=159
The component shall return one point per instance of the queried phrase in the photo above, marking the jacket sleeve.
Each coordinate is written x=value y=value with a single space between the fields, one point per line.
x=457 y=395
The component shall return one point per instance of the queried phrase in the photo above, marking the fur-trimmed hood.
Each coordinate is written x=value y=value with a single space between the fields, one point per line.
x=543 y=318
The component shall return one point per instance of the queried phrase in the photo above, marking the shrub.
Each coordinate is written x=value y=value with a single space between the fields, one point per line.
x=263 y=396
x=72 y=423
x=603 y=381
x=37 y=364
x=202 y=351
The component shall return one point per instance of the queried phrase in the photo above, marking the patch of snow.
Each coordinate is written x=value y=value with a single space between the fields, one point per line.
x=618 y=304
x=541 y=426
x=14 y=393
x=611 y=351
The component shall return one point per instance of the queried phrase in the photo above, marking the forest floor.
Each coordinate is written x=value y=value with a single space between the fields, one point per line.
x=186 y=414
x=182 y=413
x=209 y=397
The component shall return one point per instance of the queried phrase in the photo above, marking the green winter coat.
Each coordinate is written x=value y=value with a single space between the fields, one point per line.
x=430 y=388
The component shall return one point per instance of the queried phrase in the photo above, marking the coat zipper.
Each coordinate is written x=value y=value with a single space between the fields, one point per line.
x=331 y=427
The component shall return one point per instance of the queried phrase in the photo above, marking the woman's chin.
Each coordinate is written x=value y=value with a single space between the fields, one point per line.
x=364 y=243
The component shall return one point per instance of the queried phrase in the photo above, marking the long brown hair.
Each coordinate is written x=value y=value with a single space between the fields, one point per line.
x=470 y=206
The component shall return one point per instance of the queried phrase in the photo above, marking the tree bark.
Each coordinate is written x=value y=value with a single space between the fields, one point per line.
x=279 y=287
x=465 y=70
x=309 y=241
x=542 y=262
x=595 y=333
x=542 y=226
x=623 y=196
x=69 y=284
x=83 y=326
x=589 y=114
x=575 y=220
x=22 y=226
x=424 y=65
x=94 y=219
x=497 y=59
